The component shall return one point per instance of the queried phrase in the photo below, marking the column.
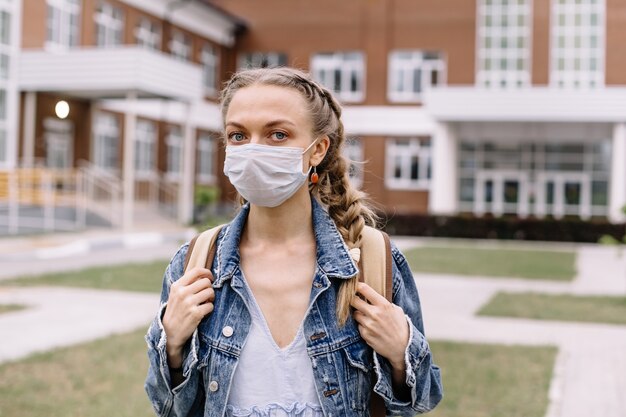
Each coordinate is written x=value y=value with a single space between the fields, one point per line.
x=617 y=191
x=186 y=187
x=30 y=115
x=444 y=182
x=130 y=124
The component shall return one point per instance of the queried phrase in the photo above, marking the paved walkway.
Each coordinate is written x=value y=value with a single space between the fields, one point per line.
x=589 y=377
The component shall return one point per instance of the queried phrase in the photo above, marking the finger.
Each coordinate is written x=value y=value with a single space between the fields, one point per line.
x=370 y=294
x=361 y=305
x=204 y=309
x=193 y=274
x=204 y=296
x=199 y=285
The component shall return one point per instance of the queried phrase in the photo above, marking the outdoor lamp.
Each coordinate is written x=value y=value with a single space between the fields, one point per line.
x=62 y=109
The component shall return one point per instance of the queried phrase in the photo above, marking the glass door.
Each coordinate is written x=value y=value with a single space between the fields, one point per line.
x=563 y=193
x=501 y=192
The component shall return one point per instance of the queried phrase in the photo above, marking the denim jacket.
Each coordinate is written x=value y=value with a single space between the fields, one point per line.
x=345 y=368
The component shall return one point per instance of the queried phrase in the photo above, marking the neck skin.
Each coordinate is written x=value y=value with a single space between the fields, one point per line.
x=290 y=221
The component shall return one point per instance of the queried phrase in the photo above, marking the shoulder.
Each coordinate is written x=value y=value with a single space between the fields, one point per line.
x=176 y=266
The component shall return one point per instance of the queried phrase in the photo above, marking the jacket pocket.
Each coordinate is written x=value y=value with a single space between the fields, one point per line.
x=358 y=371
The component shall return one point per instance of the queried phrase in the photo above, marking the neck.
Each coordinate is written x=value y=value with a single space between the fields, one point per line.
x=290 y=221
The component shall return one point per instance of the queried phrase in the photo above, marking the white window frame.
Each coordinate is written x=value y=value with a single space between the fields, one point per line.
x=210 y=59
x=106 y=138
x=64 y=25
x=571 y=52
x=394 y=151
x=499 y=34
x=353 y=152
x=174 y=154
x=145 y=150
x=109 y=21
x=348 y=64
x=148 y=34
x=262 y=60
x=180 y=45
x=205 y=161
x=402 y=67
x=5 y=47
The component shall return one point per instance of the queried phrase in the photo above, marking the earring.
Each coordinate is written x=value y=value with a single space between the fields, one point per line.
x=314 y=177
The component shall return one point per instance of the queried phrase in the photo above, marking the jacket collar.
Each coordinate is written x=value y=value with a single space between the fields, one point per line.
x=332 y=253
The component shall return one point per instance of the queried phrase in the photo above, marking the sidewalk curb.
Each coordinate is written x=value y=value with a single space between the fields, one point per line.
x=82 y=246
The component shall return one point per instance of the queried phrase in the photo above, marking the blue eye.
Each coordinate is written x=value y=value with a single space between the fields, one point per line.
x=279 y=135
x=236 y=137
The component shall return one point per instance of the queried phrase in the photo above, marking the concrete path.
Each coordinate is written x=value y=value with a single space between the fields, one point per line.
x=59 y=317
x=589 y=376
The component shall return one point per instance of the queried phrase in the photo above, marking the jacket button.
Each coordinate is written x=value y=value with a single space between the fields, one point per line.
x=227 y=331
x=213 y=386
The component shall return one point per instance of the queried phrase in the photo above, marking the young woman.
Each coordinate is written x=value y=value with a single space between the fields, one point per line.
x=280 y=325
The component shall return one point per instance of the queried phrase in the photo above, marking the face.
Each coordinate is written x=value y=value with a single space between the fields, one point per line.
x=274 y=116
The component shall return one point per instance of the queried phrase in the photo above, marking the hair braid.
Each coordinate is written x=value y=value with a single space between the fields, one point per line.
x=347 y=206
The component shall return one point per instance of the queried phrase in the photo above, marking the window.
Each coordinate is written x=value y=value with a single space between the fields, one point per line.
x=145 y=139
x=577 y=48
x=174 y=143
x=341 y=72
x=262 y=60
x=180 y=45
x=412 y=72
x=408 y=163
x=353 y=151
x=3 y=104
x=59 y=142
x=210 y=63
x=205 y=162
x=504 y=43
x=5 y=27
x=106 y=141
x=148 y=34
x=109 y=25
x=63 y=24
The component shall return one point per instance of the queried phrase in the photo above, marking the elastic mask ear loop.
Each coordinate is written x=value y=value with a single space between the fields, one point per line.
x=314 y=178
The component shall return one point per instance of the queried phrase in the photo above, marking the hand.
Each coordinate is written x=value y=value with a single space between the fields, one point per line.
x=382 y=325
x=190 y=300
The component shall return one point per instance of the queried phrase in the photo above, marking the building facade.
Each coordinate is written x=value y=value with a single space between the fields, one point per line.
x=486 y=106
x=503 y=107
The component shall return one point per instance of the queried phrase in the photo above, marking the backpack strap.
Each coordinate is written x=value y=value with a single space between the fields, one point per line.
x=376 y=263
x=375 y=266
x=202 y=249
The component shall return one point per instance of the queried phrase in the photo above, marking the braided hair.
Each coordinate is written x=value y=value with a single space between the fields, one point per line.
x=347 y=206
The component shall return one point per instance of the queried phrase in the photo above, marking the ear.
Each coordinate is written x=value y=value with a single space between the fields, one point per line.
x=319 y=151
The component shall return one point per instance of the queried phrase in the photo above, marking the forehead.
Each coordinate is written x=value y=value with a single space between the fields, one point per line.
x=268 y=102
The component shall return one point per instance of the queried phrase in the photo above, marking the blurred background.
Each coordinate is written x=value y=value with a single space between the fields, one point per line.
x=491 y=135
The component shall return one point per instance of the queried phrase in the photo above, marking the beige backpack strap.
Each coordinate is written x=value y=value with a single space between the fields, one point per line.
x=375 y=265
x=375 y=262
x=202 y=249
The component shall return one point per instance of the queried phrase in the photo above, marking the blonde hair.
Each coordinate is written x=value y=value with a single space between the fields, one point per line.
x=347 y=206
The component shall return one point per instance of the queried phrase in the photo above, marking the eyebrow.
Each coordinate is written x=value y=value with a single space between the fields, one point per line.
x=268 y=124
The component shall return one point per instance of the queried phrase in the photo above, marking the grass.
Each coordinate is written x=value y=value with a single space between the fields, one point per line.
x=6 y=308
x=595 y=309
x=529 y=264
x=99 y=379
x=130 y=277
x=492 y=380
x=105 y=378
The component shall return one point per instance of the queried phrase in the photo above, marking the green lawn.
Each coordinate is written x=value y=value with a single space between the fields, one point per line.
x=6 y=308
x=598 y=309
x=493 y=380
x=99 y=379
x=530 y=264
x=105 y=378
x=130 y=277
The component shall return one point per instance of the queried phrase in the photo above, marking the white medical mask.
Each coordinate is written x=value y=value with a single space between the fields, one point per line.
x=265 y=175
